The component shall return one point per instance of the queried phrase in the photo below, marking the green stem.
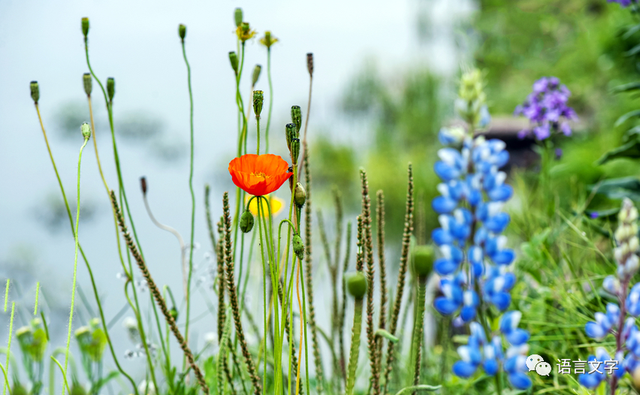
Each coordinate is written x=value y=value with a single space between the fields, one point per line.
x=75 y=263
x=258 y=125
x=123 y=196
x=418 y=328
x=355 y=346
x=266 y=133
x=13 y=309
x=193 y=197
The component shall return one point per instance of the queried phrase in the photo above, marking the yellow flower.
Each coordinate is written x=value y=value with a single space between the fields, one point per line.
x=277 y=205
x=244 y=32
x=268 y=40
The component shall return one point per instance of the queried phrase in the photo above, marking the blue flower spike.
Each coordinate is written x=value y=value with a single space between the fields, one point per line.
x=475 y=259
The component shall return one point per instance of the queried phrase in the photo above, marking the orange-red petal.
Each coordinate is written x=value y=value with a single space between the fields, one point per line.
x=259 y=175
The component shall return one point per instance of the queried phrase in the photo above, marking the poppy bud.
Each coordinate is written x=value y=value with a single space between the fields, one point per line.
x=237 y=16
x=182 y=31
x=246 y=222
x=357 y=285
x=143 y=185
x=174 y=313
x=258 y=98
x=298 y=246
x=422 y=258
x=233 y=58
x=310 y=63
x=256 y=74
x=295 y=151
x=85 y=27
x=19 y=389
x=86 y=130
x=77 y=389
x=35 y=91
x=87 y=81
x=111 y=88
x=290 y=130
x=299 y=195
x=296 y=118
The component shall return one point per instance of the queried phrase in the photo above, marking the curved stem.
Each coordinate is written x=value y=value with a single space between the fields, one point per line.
x=75 y=263
x=193 y=196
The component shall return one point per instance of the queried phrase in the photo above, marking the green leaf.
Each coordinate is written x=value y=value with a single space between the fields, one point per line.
x=618 y=188
x=632 y=30
x=386 y=335
x=632 y=86
x=625 y=117
x=633 y=51
x=630 y=150
x=422 y=387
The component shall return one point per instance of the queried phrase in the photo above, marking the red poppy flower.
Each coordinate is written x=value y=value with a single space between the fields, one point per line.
x=259 y=174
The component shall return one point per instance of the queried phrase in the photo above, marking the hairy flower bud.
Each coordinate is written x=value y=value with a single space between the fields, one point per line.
x=111 y=88
x=258 y=98
x=256 y=74
x=182 y=31
x=357 y=285
x=422 y=258
x=299 y=195
x=246 y=222
x=295 y=150
x=290 y=133
x=237 y=16
x=233 y=58
x=87 y=81
x=86 y=130
x=298 y=246
x=296 y=118
x=310 y=63
x=85 y=26
x=35 y=91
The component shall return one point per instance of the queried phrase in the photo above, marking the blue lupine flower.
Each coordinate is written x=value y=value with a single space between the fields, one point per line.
x=547 y=110
x=475 y=260
x=613 y=321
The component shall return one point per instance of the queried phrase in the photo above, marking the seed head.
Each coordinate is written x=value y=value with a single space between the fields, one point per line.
x=357 y=285
x=299 y=195
x=111 y=88
x=87 y=81
x=233 y=58
x=298 y=246
x=256 y=74
x=246 y=222
x=296 y=118
x=237 y=16
x=85 y=26
x=182 y=31
x=258 y=98
x=35 y=91
x=86 y=130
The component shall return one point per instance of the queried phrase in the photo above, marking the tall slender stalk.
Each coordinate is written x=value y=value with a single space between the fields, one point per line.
x=75 y=261
x=13 y=309
x=404 y=259
x=343 y=308
x=193 y=196
x=309 y=272
x=380 y=213
x=153 y=288
x=84 y=257
x=418 y=328
x=266 y=132
x=354 y=351
x=368 y=253
x=233 y=297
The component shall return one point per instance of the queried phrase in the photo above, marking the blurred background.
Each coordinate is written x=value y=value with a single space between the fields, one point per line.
x=384 y=83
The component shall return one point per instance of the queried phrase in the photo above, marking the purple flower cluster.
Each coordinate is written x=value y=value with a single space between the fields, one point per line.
x=623 y=3
x=547 y=110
